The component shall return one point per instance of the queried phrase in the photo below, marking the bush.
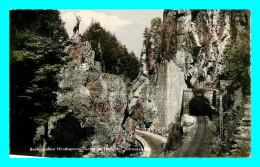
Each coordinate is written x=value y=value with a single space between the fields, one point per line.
x=237 y=63
x=174 y=138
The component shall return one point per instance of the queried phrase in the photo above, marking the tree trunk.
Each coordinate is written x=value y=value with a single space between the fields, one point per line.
x=45 y=137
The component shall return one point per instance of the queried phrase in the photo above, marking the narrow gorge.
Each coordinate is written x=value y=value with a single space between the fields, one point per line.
x=191 y=87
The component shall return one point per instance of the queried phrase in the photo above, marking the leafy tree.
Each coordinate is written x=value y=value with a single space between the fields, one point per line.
x=37 y=41
x=156 y=23
x=113 y=56
x=156 y=34
x=153 y=43
x=237 y=63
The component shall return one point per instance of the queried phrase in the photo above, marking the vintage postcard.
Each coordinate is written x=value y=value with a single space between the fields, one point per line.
x=130 y=83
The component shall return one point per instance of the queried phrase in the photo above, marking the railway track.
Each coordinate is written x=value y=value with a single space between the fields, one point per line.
x=199 y=146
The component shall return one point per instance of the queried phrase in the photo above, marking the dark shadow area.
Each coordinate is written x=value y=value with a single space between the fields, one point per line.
x=194 y=14
x=200 y=106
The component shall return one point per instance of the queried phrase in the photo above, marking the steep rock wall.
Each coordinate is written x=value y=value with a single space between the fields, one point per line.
x=192 y=44
x=96 y=102
x=195 y=41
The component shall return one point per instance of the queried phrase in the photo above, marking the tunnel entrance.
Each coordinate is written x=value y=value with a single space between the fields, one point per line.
x=200 y=106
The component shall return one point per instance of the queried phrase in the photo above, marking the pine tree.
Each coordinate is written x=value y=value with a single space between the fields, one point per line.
x=37 y=41
x=114 y=58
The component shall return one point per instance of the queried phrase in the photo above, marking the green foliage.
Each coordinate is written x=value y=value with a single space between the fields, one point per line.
x=76 y=105
x=128 y=89
x=113 y=56
x=219 y=149
x=110 y=77
x=230 y=121
x=66 y=89
x=143 y=90
x=156 y=23
x=42 y=118
x=37 y=42
x=153 y=36
x=45 y=23
x=34 y=64
x=79 y=108
x=173 y=139
x=147 y=36
x=237 y=60
x=96 y=91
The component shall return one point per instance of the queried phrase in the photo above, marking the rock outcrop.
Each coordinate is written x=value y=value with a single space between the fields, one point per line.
x=186 y=51
x=195 y=41
x=97 y=101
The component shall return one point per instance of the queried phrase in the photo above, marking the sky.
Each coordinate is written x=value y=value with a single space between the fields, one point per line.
x=127 y=25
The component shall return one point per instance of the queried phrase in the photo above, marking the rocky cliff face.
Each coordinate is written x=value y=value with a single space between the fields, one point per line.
x=96 y=102
x=185 y=52
x=195 y=41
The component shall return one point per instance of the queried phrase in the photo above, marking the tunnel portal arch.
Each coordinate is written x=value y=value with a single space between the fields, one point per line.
x=200 y=102
x=200 y=106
